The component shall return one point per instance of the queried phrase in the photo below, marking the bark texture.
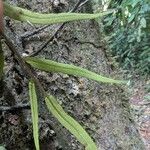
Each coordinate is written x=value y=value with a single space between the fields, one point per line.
x=102 y=109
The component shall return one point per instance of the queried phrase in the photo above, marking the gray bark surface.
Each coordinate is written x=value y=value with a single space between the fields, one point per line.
x=102 y=109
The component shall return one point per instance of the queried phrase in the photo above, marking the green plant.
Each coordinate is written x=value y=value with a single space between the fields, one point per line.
x=50 y=66
x=128 y=33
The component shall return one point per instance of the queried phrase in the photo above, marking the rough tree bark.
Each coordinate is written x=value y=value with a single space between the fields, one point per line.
x=102 y=109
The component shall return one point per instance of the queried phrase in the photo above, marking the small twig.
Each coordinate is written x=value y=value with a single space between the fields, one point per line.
x=14 y=108
x=48 y=41
x=79 y=4
x=27 y=70
x=24 y=66
x=28 y=34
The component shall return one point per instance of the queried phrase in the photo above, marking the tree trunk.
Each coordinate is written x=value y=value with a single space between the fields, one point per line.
x=102 y=109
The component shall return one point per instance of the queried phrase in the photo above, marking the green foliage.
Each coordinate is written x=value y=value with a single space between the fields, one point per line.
x=24 y=15
x=34 y=113
x=54 y=107
x=69 y=123
x=52 y=66
x=128 y=31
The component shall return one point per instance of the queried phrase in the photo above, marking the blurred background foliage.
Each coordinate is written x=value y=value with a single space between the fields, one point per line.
x=128 y=33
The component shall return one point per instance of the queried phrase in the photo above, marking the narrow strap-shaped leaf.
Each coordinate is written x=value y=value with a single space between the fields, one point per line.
x=52 y=66
x=21 y=14
x=69 y=123
x=34 y=112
